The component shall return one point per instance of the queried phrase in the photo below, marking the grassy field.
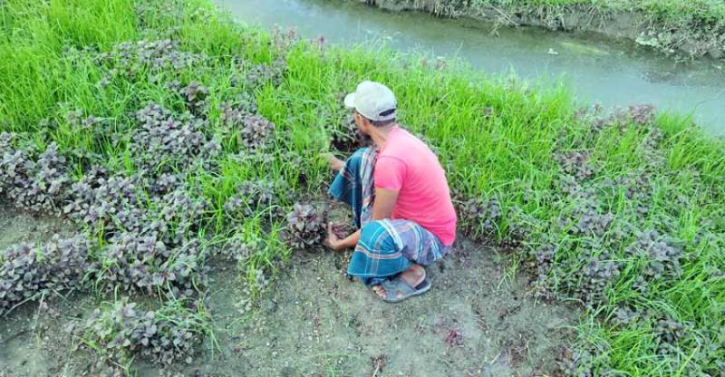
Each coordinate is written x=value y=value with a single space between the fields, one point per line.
x=171 y=135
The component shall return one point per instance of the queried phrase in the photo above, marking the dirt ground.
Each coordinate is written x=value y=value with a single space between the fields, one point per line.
x=31 y=342
x=475 y=321
x=17 y=226
x=478 y=320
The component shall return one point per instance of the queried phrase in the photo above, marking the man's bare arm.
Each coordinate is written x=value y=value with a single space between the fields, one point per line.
x=384 y=203
x=348 y=242
x=382 y=209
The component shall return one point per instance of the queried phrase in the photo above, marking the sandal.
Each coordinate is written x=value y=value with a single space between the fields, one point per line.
x=397 y=290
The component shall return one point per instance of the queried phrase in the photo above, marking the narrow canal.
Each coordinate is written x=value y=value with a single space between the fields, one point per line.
x=597 y=69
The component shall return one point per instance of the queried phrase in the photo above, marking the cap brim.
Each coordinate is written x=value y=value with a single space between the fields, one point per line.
x=350 y=101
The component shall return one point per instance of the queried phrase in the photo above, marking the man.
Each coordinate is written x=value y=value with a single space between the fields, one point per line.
x=400 y=200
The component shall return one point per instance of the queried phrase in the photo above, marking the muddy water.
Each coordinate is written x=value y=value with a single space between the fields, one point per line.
x=597 y=69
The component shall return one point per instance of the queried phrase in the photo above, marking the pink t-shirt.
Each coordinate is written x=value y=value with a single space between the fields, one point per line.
x=407 y=165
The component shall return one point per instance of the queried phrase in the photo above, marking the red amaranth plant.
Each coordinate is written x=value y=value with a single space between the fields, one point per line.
x=33 y=180
x=124 y=330
x=26 y=270
x=305 y=226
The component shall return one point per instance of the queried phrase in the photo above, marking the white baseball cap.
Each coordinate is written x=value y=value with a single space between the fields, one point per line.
x=373 y=100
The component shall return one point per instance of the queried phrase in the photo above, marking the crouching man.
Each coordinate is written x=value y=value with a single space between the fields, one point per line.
x=400 y=200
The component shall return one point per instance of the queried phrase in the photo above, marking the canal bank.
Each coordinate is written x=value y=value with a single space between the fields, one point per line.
x=689 y=28
x=597 y=69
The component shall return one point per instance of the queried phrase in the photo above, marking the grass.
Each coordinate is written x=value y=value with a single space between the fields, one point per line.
x=498 y=138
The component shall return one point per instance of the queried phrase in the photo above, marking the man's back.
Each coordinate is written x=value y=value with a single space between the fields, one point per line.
x=407 y=165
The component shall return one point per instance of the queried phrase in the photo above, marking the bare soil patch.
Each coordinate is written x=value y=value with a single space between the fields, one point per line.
x=478 y=320
x=18 y=226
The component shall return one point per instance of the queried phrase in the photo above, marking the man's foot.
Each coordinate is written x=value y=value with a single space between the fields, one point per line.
x=413 y=276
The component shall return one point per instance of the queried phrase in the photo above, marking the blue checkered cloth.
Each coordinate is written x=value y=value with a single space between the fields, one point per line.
x=354 y=185
x=386 y=247
x=389 y=247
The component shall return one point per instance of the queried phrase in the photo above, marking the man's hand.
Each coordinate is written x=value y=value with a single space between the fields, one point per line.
x=332 y=241
x=337 y=243
x=336 y=164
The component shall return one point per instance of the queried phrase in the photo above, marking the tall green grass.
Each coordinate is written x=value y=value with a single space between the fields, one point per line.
x=497 y=138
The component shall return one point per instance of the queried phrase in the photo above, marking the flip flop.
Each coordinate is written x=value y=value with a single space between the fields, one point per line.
x=397 y=290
